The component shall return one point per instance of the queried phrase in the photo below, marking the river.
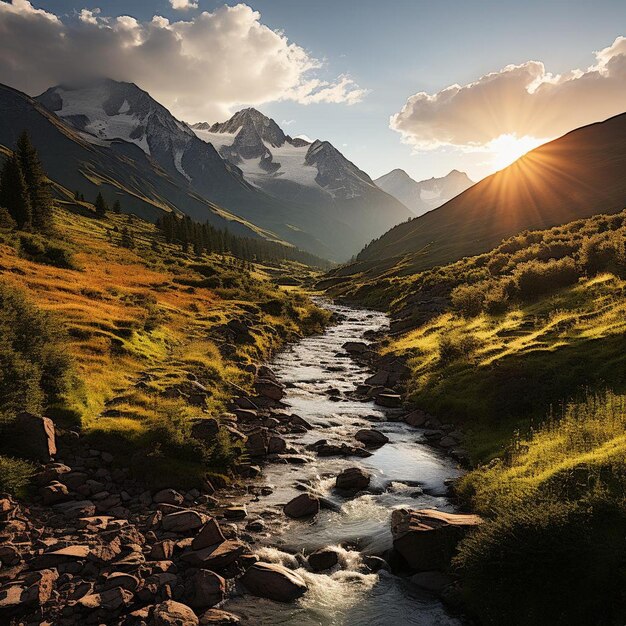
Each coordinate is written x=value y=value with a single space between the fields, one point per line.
x=405 y=472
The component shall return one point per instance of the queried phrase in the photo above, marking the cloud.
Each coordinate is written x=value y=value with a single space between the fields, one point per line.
x=183 y=5
x=519 y=100
x=200 y=68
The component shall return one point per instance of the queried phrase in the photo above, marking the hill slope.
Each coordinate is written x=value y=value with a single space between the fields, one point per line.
x=575 y=176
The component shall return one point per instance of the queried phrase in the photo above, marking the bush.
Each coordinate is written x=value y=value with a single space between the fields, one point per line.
x=455 y=346
x=35 y=369
x=35 y=249
x=468 y=299
x=533 y=279
x=15 y=474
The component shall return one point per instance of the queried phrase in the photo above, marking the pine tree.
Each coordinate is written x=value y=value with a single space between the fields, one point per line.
x=117 y=207
x=14 y=192
x=101 y=205
x=127 y=241
x=41 y=200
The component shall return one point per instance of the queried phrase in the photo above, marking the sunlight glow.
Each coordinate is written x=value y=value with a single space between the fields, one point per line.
x=508 y=148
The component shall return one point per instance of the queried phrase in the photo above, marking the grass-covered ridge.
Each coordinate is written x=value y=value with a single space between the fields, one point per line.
x=142 y=323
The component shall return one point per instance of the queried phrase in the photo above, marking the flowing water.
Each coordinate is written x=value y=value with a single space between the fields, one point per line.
x=405 y=472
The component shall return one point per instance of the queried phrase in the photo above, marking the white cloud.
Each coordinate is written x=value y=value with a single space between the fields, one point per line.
x=183 y=5
x=519 y=100
x=200 y=68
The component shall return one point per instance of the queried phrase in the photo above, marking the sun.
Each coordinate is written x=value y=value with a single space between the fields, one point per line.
x=509 y=147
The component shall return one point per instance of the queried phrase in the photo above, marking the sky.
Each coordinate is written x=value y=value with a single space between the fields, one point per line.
x=426 y=86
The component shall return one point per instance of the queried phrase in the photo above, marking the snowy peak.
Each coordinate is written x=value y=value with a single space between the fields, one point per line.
x=246 y=119
x=425 y=195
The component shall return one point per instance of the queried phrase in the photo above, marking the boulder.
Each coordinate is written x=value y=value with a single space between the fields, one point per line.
x=433 y=582
x=182 y=521
x=168 y=496
x=171 y=613
x=353 y=479
x=162 y=550
x=54 y=493
x=323 y=559
x=355 y=347
x=235 y=512
x=33 y=436
x=210 y=535
x=276 y=445
x=269 y=389
x=257 y=442
x=269 y=580
x=205 y=429
x=53 y=558
x=379 y=378
x=205 y=589
x=215 y=557
x=371 y=437
x=417 y=418
x=388 y=400
x=427 y=538
x=80 y=508
x=110 y=600
x=304 y=505
x=215 y=617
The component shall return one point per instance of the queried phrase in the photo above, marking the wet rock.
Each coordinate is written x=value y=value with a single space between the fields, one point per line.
x=168 y=496
x=379 y=378
x=304 y=505
x=355 y=347
x=205 y=589
x=371 y=437
x=257 y=442
x=417 y=418
x=448 y=442
x=323 y=559
x=375 y=563
x=33 y=436
x=433 y=582
x=235 y=512
x=276 y=445
x=210 y=535
x=296 y=420
x=427 y=538
x=215 y=617
x=182 y=521
x=269 y=580
x=388 y=400
x=215 y=557
x=353 y=479
x=171 y=613
x=255 y=526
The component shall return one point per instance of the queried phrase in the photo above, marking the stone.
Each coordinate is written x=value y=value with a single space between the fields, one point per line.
x=371 y=437
x=433 y=582
x=110 y=600
x=276 y=445
x=257 y=442
x=215 y=557
x=269 y=580
x=427 y=538
x=417 y=418
x=210 y=535
x=216 y=617
x=54 y=493
x=9 y=555
x=323 y=559
x=171 y=613
x=182 y=521
x=269 y=389
x=353 y=479
x=235 y=512
x=205 y=429
x=79 y=508
x=123 y=580
x=304 y=505
x=388 y=400
x=168 y=496
x=162 y=550
x=448 y=442
x=379 y=378
x=206 y=589
x=355 y=347
x=53 y=558
x=41 y=590
x=34 y=436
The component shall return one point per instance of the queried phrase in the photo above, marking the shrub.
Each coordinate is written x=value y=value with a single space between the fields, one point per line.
x=533 y=279
x=455 y=346
x=15 y=474
x=35 y=249
x=496 y=299
x=468 y=299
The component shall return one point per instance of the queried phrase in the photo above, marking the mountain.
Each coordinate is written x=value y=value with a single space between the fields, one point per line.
x=119 y=169
x=421 y=197
x=576 y=176
x=315 y=175
x=246 y=165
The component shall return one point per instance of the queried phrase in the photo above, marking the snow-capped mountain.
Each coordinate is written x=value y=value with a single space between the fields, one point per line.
x=312 y=173
x=304 y=193
x=425 y=195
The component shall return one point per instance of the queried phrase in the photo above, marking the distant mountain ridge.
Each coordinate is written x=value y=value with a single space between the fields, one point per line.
x=576 y=176
x=424 y=195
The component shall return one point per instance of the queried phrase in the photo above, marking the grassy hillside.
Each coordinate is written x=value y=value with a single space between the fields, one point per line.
x=142 y=323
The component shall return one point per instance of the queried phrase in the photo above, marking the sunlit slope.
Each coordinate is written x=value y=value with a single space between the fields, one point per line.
x=575 y=176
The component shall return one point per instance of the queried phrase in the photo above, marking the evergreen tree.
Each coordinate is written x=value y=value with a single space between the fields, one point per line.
x=127 y=241
x=101 y=205
x=14 y=192
x=117 y=207
x=38 y=188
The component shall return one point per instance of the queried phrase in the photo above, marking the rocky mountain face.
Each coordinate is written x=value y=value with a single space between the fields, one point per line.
x=315 y=175
x=423 y=196
x=576 y=176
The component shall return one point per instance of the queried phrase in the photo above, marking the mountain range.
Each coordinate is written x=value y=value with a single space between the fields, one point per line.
x=305 y=194
x=421 y=197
